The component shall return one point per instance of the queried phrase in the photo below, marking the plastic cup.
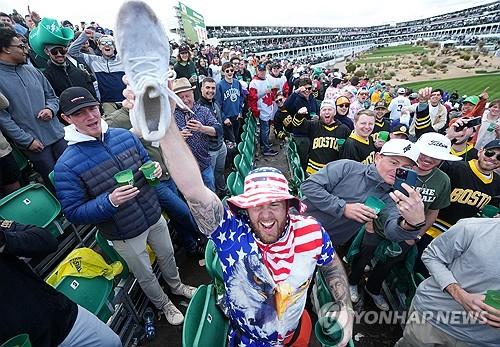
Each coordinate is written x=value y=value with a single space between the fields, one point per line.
x=375 y=204
x=493 y=298
x=383 y=135
x=489 y=211
x=125 y=177
x=148 y=170
x=328 y=331
x=22 y=340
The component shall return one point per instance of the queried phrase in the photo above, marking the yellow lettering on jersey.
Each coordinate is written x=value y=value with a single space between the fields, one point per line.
x=470 y=197
x=325 y=142
x=369 y=159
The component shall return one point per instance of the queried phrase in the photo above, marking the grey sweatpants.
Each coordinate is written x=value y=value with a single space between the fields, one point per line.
x=133 y=251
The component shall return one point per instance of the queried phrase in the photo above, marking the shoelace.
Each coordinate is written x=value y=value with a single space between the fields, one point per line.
x=171 y=309
x=150 y=73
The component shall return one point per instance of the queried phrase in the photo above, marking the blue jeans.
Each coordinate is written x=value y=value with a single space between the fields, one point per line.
x=218 y=159
x=208 y=178
x=179 y=214
x=264 y=136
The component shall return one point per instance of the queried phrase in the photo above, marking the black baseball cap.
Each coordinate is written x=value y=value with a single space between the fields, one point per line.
x=73 y=99
x=492 y=144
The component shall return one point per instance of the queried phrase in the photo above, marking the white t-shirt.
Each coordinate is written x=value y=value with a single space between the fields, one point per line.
x=397 y=105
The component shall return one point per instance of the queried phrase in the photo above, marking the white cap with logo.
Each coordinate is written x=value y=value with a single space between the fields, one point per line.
x=401 y=148
x=401 y=91
x=436 y=146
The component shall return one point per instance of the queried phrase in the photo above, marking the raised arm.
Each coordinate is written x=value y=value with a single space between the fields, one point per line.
x=205 y=206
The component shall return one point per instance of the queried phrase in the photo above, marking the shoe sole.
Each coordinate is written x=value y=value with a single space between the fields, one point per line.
x=379 y=307
x=151 y=114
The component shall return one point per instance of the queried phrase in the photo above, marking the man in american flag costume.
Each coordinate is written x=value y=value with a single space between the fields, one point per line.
x=268 y=255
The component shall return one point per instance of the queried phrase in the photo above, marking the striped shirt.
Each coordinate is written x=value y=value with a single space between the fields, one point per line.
x=256 y=275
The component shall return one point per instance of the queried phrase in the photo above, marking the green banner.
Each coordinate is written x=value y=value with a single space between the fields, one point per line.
x=193 y=23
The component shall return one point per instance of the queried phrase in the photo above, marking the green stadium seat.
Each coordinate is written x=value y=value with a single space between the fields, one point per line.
x=22 y=340
x=212 y=262
x=90 y=293
x=242 y=165
x=235 y=183
x=33 y=204
x=51 y=178
x=204 y=323
x=21 y=160
x=110 y=253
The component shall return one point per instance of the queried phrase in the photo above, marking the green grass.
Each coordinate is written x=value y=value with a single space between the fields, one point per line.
x=395 y=51
x=473 y=85
x=384 y=54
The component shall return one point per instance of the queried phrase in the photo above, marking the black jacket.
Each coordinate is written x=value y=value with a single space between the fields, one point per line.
x=28 y=304
x=62 y=77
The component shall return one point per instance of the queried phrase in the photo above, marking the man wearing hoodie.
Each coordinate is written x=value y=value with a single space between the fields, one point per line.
x=29 y=119
x=107 y=67
x=128 y=215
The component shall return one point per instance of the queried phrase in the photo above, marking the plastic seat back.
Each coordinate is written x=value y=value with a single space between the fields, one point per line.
x=33 y=204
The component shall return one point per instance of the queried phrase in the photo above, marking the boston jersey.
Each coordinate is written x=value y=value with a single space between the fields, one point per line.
x=381 y=125
x=325 y=146
x=359 y=149
x=471 y=190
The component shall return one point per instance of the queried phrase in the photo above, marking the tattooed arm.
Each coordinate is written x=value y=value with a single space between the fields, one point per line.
x=336 y=279
x=205 y=206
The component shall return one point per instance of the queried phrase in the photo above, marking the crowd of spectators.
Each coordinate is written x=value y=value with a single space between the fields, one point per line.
x=343 y=126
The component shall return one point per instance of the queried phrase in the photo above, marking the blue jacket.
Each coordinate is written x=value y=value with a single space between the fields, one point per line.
x=84 y=178
x=296 y=101
x=230 y=98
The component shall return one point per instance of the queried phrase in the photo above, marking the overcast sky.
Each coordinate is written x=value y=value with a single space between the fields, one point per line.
x=328 y=13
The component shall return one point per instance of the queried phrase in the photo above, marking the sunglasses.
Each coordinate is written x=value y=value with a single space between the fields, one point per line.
x=229 y=70
x=58 y=50
x=106 y=43
x=343 y=105
x=489 y=153
x=21 y=46
x=280 y=100
x=309 y=88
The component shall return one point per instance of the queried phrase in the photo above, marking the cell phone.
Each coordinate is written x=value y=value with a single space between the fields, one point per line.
x=493 y=298
x=407 y=176
x=470 y=124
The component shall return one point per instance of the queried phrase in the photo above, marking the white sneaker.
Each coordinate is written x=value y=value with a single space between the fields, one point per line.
x=184 y=290
x=144 y=50
x=353 y=293
x=379 y=300
x=173 y=315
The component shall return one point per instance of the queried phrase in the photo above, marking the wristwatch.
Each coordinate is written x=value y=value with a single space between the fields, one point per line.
x=415 y=226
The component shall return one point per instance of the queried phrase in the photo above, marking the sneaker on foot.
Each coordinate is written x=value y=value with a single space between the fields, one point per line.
x=184 y=290
x=270 y=153
x=379 y=300
x=145 y=56
x=353 y=293
x=172 y=313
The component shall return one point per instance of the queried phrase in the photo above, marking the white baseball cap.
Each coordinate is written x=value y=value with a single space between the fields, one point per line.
x=401 y=148
x=401 y=91
x=436 y=146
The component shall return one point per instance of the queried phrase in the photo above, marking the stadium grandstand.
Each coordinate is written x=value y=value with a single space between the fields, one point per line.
x=113 y=235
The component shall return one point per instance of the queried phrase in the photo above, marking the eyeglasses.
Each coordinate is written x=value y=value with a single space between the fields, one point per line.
x=229 y=70
x=489 y=153
x=21 y=46
x=309 y=88
x=343 y=105
x=58 y=50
